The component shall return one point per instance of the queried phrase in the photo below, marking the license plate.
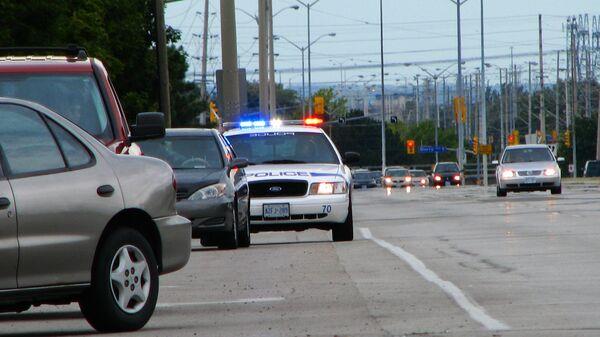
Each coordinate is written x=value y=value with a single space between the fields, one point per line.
x=530 y=181
x=447 y=183
x=276 y=210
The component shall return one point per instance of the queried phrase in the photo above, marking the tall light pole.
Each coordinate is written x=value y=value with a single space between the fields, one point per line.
x=483 y=120
x=529 y=97
x=308 y=6
x=231 y=90
x=459 y=85
x=302 y=49
x=163 y=61
x=383 y=159
x=263 y=57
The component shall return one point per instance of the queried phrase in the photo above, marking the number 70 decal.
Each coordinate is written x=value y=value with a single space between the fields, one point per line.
x=326 y=209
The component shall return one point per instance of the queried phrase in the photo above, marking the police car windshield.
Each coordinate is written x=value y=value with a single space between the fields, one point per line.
x=284 y=148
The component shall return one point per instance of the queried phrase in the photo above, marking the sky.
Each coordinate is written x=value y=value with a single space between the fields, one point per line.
x=417 y=31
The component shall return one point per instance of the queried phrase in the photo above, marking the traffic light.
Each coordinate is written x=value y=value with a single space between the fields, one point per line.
x=410 y=146
x=394 y=119
x=515 y=134
x=567 y=138
x=319 y=105
x=511 y=139
x=476 y=145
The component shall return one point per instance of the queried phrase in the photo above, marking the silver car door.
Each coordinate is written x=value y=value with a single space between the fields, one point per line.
x=9 y=247
x=65 y=194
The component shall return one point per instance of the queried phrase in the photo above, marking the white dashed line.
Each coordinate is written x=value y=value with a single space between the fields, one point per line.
x=240 y=301
x=473 y=309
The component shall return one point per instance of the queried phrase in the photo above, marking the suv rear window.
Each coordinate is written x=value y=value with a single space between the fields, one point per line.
x=74 y=96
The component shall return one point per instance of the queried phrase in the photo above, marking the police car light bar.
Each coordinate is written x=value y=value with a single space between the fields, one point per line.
x=311 y=121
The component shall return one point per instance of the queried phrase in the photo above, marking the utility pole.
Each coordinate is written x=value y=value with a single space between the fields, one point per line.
x=272 y=83
x=383 y=158
x=483 y=120
x=231 y=82
x=512 y=90
x=459 y=86
x=263 y=57
x=308 y=6
x=542 y=105
x=163 y=62
x=598 y=131
x=557 y=97
x=204 y=51
x=437 y=116
x=574 y=79
x=502 y=131
x=529 y=104
x=417 y=96
x=588 y=90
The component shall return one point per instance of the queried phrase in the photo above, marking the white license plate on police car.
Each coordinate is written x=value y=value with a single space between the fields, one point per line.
x=530 y=180
x=276 y=211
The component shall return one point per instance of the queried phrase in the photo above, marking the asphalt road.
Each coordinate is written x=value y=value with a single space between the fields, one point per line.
x=449 y=262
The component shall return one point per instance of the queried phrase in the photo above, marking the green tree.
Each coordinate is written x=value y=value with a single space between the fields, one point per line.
x=335 y=105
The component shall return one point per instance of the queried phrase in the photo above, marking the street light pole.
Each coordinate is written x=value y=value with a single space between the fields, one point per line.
x=308 y=6
x=383 y=158
x=483 y=119
x=459 y=86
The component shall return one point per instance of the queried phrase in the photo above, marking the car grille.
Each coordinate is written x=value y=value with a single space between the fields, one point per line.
x=278 y=188
x=529 y=173
x=292 y=217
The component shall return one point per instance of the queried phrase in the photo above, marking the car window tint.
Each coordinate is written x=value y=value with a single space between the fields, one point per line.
x=75 y=153
x=186 y=152
x=26 y=143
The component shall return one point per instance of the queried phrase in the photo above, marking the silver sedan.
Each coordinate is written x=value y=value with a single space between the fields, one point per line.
x=79 y=223
x=528 y=168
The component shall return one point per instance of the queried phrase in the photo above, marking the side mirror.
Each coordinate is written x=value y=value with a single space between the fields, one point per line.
x=238 y=163
x=560 y=159
x=495 y=162
x=148 y=125
x=351 y=157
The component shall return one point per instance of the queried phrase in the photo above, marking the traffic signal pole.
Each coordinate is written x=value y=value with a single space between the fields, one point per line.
x=483 y=119
x=383 y=159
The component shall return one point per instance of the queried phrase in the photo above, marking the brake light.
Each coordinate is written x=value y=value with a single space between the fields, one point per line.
x=457 y=178
x=437 y=178
x=174 y=183
x=313 y=121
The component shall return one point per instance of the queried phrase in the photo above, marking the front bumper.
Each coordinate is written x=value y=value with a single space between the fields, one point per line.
x=305 y=212
x=532 y=183
x=214 y=215
x=175 y=232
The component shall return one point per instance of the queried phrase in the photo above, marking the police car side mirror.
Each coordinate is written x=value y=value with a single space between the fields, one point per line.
x=148 y=125
x=495 y=162
x=238 y=163
x=351 y=157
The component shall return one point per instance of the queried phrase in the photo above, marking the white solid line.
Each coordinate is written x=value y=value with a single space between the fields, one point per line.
x=240 y=301
x=472 y=308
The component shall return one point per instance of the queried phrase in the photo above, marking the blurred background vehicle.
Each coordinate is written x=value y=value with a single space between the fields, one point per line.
x=592 y=168
x=419 y=178
x=397 y=177
x=364 y=179
x=446 y=174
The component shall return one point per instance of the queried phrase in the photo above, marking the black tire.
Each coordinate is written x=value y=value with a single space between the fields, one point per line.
x=244 y=239
x=230 y=239
x=344 y=231
x=500 y=192
x=556 y=190
x=99 y=305
x=209 y=240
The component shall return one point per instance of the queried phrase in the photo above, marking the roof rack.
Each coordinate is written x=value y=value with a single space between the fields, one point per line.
x=71 y=51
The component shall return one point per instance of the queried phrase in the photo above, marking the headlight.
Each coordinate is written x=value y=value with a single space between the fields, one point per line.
x=388 y=180
x=550 y=172
x=408 y=179
x=423 y=181
x=508 y=174
x=328 y=188
x=209 y=192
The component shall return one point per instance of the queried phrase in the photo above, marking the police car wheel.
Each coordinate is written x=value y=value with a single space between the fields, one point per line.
x=556 y=190
x=344 y=231
x=500 y=192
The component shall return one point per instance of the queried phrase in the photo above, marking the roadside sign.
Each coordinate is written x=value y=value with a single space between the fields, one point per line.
x=432 y=149
x=485 y=149
x=460 y=108
x=319 y=105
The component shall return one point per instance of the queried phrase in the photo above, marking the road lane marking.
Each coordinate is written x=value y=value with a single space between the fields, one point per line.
x=472 y=308
x=240 y=301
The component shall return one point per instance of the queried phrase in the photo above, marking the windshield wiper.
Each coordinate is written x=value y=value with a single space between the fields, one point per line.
x=284 y=161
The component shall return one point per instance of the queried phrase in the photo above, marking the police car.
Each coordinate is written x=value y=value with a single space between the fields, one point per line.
x=297 y=178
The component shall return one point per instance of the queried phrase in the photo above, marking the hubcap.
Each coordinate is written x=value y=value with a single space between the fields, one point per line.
x=130 y=279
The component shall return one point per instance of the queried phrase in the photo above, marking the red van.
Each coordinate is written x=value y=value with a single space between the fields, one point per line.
x=77 y=87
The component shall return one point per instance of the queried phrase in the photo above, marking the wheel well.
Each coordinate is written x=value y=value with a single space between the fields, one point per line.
x=141 y=222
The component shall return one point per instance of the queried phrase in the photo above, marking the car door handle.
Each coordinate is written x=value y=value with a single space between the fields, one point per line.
x=105 y=190
x=4 y=202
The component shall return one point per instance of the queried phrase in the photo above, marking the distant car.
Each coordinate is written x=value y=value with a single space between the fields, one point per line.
x=592 y=168
x=377 y=176
x=447 y=173
x=212 y=190
x=419 y=178
x=364 y=179
x=526 y=168
x=79 y=223
x=397 y=177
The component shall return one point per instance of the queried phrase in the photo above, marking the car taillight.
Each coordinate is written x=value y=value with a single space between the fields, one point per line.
x=456 y=177
x=437 y=178
x=174 y=183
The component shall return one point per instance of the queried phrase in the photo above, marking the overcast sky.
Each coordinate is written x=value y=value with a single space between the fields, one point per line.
x=415 y=31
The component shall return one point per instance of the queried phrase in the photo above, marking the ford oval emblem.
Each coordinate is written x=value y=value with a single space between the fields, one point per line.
x=275 y=189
